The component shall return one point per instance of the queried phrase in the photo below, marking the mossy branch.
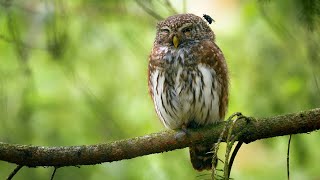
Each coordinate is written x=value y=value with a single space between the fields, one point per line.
x=254 y=129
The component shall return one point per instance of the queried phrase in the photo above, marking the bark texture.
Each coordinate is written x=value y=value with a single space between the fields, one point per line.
x=247 y=131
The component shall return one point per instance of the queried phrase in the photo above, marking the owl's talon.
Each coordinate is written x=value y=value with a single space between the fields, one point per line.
x=180 y=136
x=183 y=133
x=240 y=116
x=247 y=119
x=185 y=130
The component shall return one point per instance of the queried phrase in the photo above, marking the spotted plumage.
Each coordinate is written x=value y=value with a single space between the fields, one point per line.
x=188 y=78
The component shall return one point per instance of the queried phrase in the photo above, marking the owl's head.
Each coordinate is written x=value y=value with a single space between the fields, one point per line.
x=181 y=30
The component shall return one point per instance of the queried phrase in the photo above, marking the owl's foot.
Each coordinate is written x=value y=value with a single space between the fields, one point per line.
x=239 y=116
x=182 y=133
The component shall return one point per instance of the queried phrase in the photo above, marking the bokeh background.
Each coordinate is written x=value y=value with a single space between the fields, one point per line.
x=75 y=72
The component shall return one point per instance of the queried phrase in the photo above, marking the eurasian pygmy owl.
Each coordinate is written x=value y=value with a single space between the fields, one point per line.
x=188 y=79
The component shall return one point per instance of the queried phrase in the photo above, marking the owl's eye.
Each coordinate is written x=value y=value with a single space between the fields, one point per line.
x=187 y=31
x=164 y=31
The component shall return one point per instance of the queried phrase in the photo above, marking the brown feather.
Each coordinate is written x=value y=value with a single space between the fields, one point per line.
x=180 y=78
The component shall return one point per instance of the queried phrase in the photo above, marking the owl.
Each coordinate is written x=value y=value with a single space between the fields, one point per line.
x=188 y=79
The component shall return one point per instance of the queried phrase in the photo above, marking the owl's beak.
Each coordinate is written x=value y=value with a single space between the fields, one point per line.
x=175 y=41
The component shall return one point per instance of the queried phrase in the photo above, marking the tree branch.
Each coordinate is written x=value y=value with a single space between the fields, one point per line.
x=256 y=129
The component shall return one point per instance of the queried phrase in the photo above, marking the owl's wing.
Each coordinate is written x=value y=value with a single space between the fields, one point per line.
x=154 y=61
x=211 y=55
x=151 y=69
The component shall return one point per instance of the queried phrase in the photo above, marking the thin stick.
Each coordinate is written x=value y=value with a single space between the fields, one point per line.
x=230 y=141
x=170 y=7
x=233 y=156
x=288 y=158
x=216 y=148
x=14 y=172
x=53 y=173
x=148 y=10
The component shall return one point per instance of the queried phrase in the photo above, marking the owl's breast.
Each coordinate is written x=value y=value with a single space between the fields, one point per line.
x=185 y=88
x=184 y=94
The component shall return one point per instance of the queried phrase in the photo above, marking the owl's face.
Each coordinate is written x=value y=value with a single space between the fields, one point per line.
x=180 y=30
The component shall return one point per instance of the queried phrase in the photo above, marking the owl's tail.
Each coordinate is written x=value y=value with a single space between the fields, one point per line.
x=201 y=157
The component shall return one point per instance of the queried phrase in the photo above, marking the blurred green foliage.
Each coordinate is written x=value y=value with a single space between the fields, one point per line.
x=75 y=72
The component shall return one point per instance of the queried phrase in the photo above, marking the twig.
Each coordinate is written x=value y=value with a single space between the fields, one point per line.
x=14 y=172
x=288 y=158
x=149 y=11
x=230 y=142
x=313 y=57
x=53 y=173
x=15 y=34
x=233 y=156
x=279 y=28
x=170 y=7
x=239 y=144
x=216 y=147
